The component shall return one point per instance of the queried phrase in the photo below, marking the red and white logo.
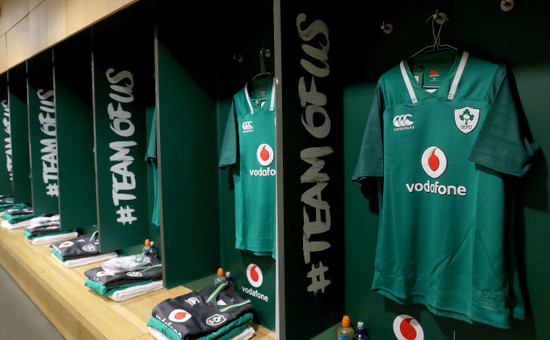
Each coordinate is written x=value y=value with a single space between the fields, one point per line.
x=102 y=273
x=434 y=161
x=254 y=275
x=179 y=315
x=406 y=327
x=434 y=73
x=265 y=154
x=65 y=244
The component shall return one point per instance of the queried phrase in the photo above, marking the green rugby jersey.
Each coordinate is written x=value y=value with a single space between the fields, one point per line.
x=444 y=133
x=249 y=147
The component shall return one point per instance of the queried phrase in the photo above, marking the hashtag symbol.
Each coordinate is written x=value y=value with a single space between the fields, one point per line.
x=318 y=281
x=125 y=214
x=52 y=189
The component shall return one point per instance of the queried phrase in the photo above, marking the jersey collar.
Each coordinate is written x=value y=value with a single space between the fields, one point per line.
x=415 y=90
x=255 y=108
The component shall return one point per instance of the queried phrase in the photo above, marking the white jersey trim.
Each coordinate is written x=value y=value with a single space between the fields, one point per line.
x=407 y=82
x=458 y=75
x=272 y=103
x=248 y=98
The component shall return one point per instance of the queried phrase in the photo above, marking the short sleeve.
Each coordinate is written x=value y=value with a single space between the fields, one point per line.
x=504 y=143
x=228 y=154
x=371 y=156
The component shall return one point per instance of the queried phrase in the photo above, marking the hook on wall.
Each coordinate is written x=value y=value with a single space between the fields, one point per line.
x=386 y=27
x=506 y=5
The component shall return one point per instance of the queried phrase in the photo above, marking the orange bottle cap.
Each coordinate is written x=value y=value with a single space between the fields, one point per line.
x=345 y=321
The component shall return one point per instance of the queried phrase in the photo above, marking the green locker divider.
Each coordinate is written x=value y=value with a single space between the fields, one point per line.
x=123 y=89
x=17 y=85
x=75 y=133
x=186 y=126
x=5 y=139
x=42 y=134
x=311 y=151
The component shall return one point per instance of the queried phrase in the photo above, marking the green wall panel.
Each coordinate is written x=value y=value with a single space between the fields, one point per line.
x=75 y=138
x=42 y=134
x=187 y=159
x=17 y=84
x=5 y=139
x=487 y=32
x=123 y=87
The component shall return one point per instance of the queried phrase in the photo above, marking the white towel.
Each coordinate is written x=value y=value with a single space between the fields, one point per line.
x=53 y=238
x=7 y=225
x=85 y=260
x=130 y=292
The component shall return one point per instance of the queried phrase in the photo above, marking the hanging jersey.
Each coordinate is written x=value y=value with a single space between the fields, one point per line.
x=444 y=135
x=151 y=159
x=249 y=147
x=197 y=314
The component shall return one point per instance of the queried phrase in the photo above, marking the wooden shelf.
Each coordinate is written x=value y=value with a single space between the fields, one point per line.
x=76 y=311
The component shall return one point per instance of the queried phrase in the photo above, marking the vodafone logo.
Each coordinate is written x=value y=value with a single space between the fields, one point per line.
x=65 y=244
x=179 y=315
x=406 y=327
x=254 y=275
x=434 y=162
x=102 y=273
x=265 y=154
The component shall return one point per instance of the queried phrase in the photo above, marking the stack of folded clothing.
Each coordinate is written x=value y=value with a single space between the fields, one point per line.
x=125 y=277
x=47 y=229
x=215 y=312
x=17 y=216
x=80 y=251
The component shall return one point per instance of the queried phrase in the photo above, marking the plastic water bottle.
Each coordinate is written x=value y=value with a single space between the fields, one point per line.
x=228 y=278
x=147 y=247
x=361 y=332
x=220 y=278
x=152 y=249
x=345 y=331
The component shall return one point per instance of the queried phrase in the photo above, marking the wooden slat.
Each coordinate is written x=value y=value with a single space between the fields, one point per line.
x=76 y=311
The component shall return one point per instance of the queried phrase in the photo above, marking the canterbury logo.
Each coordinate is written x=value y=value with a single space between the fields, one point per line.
x=402 y=120
x=247 y=126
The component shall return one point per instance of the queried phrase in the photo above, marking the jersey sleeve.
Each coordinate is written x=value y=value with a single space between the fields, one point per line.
x=151 y=153
x=371 y=156
x=504 y=143
x=228 y=154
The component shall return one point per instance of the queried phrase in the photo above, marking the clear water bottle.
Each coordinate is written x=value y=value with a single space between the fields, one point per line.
x=345 y=331
x=361 y=332
x=220 y=278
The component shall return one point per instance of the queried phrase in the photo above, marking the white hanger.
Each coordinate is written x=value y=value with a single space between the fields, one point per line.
x=439 y=18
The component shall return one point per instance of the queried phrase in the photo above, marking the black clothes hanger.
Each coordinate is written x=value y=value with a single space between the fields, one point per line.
x=437 y=18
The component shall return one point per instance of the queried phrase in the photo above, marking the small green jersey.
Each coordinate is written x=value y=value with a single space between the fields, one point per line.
x=249 y=147
x=444 y=133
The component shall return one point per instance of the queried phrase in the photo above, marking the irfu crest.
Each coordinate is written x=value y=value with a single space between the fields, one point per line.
x=466 y=119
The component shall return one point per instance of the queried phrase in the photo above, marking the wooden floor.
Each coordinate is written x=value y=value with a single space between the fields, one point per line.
x=76 y=311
